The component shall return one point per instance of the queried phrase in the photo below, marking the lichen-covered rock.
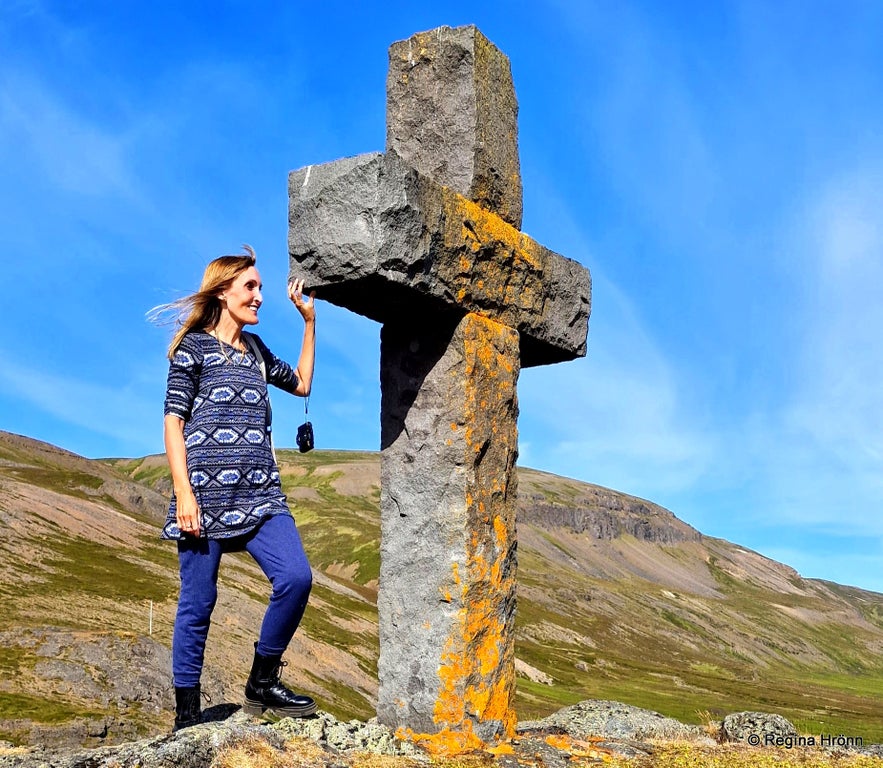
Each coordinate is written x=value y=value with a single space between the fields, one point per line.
x=198 y=746
x=352 y=736
x=756 y=728
x=425 y=240
x=612 y=720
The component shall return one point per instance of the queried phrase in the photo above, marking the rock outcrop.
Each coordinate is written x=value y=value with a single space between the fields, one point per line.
x=614 y=721
x=605 y=515
x=756 y=728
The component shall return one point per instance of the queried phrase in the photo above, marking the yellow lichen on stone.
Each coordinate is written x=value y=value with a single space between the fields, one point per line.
x=474 y=684
x=475 y=663
x=498 y=269
x=446 y=742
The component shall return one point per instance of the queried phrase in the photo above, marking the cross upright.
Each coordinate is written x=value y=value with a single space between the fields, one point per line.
x=425 y=239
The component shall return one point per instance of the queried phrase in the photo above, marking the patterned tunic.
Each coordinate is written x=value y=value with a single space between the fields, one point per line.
x=221 y=395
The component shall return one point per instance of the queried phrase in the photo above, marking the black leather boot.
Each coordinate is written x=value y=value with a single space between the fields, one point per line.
x=266 y=696
x=187 y=707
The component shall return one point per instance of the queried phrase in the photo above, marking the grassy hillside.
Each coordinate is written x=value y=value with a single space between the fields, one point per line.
x=617 y=600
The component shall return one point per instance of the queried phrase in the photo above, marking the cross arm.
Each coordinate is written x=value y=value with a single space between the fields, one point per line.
x=373 y=235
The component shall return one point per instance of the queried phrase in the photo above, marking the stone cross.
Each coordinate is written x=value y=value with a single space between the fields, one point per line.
x=425 y=239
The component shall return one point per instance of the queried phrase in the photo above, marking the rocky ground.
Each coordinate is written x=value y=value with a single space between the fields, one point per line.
x=582 y=734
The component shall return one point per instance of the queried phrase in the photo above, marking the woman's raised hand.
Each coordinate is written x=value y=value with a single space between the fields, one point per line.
x=305 y=306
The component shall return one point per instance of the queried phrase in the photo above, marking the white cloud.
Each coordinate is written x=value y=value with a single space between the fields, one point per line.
x=840 y=401
x=70 y=152
x=119 y=411
x=617 y=418
x=817 y=458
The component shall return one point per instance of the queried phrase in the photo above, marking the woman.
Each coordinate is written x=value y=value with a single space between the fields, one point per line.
x=227 y=493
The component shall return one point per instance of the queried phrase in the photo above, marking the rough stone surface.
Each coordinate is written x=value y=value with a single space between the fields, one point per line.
x=554 y=739
x=742 y=726
x=447 y=568
x=373 y=235
x=194 y=747
x=613 y=720
x=352 y=736
x=198 y=746
x=452 y=114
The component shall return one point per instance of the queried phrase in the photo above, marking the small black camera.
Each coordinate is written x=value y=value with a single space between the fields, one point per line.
x=304 y=437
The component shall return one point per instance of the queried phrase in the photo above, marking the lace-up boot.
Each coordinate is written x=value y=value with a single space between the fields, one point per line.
x=187 y=707
x=266 y=696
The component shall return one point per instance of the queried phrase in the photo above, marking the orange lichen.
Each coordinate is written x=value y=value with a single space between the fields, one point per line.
x=476 y=679
x=577 y=747
x=499 y=269
x=446 y=742
x=503 y=748
x=500 y=530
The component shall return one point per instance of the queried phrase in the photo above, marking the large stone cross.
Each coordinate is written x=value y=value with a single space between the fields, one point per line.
x=425 y=239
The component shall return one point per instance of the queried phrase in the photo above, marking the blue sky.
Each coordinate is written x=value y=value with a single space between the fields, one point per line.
x=718 y=167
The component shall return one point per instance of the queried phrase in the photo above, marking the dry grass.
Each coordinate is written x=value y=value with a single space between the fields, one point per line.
x=709 y=723
x=256 y=753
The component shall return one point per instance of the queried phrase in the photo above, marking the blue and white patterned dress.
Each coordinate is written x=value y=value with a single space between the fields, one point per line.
x=223 y=401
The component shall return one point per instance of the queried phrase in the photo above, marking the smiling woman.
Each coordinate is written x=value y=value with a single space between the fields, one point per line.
x=227 y=493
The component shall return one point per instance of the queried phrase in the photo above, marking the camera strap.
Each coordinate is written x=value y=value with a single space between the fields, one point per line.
x=259 y=359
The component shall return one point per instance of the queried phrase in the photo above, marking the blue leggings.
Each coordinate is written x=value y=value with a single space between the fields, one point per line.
x=276 y=547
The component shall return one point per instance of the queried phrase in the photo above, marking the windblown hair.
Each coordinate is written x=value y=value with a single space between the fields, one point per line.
x=203 y=308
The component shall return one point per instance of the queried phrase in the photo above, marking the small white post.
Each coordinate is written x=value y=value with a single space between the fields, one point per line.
x=150 y=620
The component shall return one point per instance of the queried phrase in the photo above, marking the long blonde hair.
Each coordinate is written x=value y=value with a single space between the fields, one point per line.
x=203 y=309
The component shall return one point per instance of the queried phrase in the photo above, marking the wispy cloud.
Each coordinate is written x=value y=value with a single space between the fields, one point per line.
x=617 y=418
x=715 y=170
x=831 y=443
x=119 y=410
x=41 y=136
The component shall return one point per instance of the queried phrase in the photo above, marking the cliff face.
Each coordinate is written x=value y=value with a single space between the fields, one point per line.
x=609 y=516
x=553 y=502
x=617 y=599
